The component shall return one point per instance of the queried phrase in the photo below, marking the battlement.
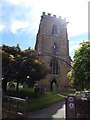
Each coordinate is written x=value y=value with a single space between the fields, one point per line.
x=48 y=15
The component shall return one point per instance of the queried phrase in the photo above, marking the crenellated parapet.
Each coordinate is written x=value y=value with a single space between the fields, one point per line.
x=49 y=15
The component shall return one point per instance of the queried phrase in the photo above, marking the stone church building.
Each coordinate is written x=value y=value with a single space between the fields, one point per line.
x=52 y=42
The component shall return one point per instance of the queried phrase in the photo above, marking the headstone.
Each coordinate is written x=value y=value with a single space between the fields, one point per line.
x=36 y=89
x=12 y=86
x=25 y=85
x=42 y=90
x=54 y=87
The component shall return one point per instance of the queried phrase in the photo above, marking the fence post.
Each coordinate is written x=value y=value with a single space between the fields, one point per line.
x=25 y=111
x=16 y=106
x=70 y=108
x=8 y=104
x=89 y=108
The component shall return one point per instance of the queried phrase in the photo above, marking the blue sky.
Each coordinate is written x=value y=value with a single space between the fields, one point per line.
x=21 y=18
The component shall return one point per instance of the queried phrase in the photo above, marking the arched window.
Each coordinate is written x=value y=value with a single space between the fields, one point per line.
x=54 y=29
x=54 y=67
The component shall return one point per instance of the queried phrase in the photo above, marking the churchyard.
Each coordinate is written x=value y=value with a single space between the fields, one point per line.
x=37 y=101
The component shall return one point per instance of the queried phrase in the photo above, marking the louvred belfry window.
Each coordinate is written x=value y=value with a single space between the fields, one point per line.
x=54 y=29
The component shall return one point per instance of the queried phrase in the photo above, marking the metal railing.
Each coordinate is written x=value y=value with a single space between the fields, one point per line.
x=14 y=105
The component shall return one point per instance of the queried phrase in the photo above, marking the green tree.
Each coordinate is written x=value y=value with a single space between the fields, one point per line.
x=29 y=68
x=8 y=60
x=80 y=76
x=22 y=66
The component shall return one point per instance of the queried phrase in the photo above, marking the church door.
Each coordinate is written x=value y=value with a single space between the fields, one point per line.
x=53 y=84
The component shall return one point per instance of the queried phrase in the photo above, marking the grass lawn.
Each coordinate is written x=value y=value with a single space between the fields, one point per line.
x=67 y=93
x=35 y=102
x=22 y=93
x=38 y=101
x=47 y=99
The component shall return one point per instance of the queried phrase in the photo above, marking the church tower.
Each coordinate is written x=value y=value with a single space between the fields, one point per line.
x=52 y=40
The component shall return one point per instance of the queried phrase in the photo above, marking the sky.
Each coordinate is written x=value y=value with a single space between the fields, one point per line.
x=20 y=19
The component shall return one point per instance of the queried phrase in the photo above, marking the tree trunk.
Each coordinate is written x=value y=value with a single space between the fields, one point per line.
x=4 y=85
x=17 y=86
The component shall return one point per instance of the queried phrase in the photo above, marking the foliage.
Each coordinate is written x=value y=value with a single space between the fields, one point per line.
x=80 y=75
x=21 y=66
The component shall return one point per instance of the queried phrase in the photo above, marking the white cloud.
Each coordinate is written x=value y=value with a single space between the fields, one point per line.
x=2 y=27
x=19 y=25
x=76 y=13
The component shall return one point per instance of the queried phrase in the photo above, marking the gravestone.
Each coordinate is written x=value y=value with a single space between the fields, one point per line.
x=54 y=87
x=25 y=85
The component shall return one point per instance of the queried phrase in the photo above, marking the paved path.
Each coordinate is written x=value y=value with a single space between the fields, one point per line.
x=54 y=111
x=61 y=95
